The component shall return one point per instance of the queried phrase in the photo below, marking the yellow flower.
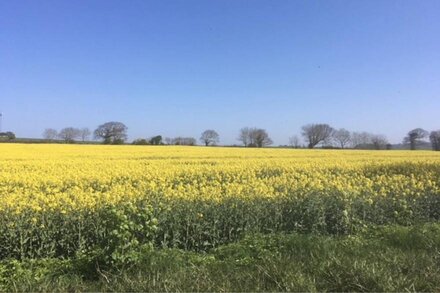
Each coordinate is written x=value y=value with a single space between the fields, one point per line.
x=65 y=178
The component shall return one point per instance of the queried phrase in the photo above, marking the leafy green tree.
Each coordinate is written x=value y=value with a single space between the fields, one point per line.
x=156 y=140
x=111 y=132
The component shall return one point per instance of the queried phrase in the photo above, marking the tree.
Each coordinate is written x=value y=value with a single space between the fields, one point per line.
x=260 y=138
x=414 y=137
x=361 y=139
x=7 y=135
x=50 y=134
x=156 y=140
x=10 y=135
x=84 y=133
x=168 y=140
x=184 y=141
x=69 y=134
x=365 y=140
x=342 y=137
x=111 y=132
x=244 y=136
x=190 y=141
x=434 y=137
x=295 y=142
x=209 y=137
x=379 y=141
x=254 y=137
x=316 y=133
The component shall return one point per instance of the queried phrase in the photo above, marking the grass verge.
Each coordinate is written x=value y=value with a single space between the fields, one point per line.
x=392 y=258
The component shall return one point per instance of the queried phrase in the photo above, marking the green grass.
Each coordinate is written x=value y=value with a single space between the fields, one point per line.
x=392 y=258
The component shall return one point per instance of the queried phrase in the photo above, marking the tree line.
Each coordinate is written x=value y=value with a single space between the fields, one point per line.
x=67 y=134
x=208 y=137
x=327 y=136
x=7 y=136
x=312 y=136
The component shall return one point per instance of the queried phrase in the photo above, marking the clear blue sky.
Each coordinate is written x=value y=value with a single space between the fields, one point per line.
x=180 y=67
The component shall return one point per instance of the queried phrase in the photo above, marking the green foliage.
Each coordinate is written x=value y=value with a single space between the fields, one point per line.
x=140 y=141
x=203 y=224
x=199 y=225
x=391 y=258
x=108 y=233
x=156 y=140
x=7 y=136
x=118 y=141
x=126 y=228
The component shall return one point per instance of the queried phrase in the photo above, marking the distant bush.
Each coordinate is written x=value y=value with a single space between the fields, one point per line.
x=7 y=135
x=140 y=141
x=156 y=140
x=184 y=141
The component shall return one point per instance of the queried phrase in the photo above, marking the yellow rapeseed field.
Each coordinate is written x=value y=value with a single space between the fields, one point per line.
x=61 y=200
x=69 y=177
